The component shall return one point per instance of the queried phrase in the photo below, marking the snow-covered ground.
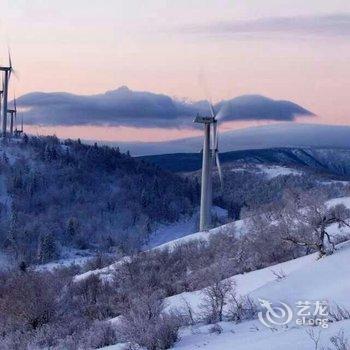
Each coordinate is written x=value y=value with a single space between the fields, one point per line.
x=68 y=258
x=253 y=335
x=306 y=279
x=239 y=227
x=183 y=228
x=105 y=273
x=277 y=170
x=166 y=233
x=269 y=171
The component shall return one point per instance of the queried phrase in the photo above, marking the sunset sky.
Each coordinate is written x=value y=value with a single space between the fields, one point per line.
x=293 y=50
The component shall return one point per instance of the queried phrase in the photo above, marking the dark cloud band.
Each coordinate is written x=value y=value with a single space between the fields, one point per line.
x=144 y=109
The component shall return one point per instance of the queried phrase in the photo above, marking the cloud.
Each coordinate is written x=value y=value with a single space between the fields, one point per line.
x=124 y=107
x=326 y=25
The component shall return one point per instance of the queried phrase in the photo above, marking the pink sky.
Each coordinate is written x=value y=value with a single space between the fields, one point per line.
x=85 y=48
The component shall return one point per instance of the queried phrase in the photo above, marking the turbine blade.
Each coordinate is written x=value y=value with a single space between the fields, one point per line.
x=211 y=109
x=216 y=151
x=217 y=159
x=10 y=61
x=215 y=134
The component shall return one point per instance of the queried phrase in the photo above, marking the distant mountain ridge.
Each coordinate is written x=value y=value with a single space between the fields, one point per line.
x=332 y=161
x=294 y=135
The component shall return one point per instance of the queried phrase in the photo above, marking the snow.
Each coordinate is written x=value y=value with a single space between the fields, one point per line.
x=245 y=283
x=119 y=346
x=69 y=257
x=166 y=233
x=341 y=200
x=276 y=170
x=237 y=227
x=307 y=278
x=180 y=229
x=269 y=171
x=105 y=273
x=253 y=335
x=324 y=279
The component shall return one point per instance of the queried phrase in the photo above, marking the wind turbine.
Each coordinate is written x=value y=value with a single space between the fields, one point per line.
x=7 y=75
x=210 y=157
x=13 y=115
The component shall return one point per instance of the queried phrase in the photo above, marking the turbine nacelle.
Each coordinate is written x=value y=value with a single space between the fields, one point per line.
x=204 y=120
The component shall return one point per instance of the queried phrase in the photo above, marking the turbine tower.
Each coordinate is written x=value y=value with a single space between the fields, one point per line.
x=7 y=75
x=13 y=116
x=1 y=95
x=210 y=156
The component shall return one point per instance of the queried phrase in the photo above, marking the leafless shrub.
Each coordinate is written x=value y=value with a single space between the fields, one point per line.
x=214 y=300
x=315 y=336
x=99 y=335
x=148 y=326
x=338 y=313
x=308 y=219
x=241 y=308
x=339 y=342
x=186 y=313
x=216 y=328
x=99 y=261
x=280 y=275
x=29 y=300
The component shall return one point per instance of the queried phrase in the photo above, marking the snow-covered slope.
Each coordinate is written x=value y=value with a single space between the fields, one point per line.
x=239 y=227
x=307 y=279
x=303 y=279
x=253 y=336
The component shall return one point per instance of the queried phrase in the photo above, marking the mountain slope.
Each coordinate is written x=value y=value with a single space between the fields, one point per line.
x=305 y=278
x=56 y=195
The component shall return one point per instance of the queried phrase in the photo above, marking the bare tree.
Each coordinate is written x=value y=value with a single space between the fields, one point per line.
x=339 y=342
x=214 y=300
x=146 y=325
x=308 y=219
x=315 y=336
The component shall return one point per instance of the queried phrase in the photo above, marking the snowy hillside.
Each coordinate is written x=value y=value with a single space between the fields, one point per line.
x=305 y=279
x=239 y=228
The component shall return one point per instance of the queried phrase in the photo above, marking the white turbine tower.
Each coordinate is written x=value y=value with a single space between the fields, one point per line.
x=7 y=75
x=1 y=94
x=210 y=156
x=13 y=116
